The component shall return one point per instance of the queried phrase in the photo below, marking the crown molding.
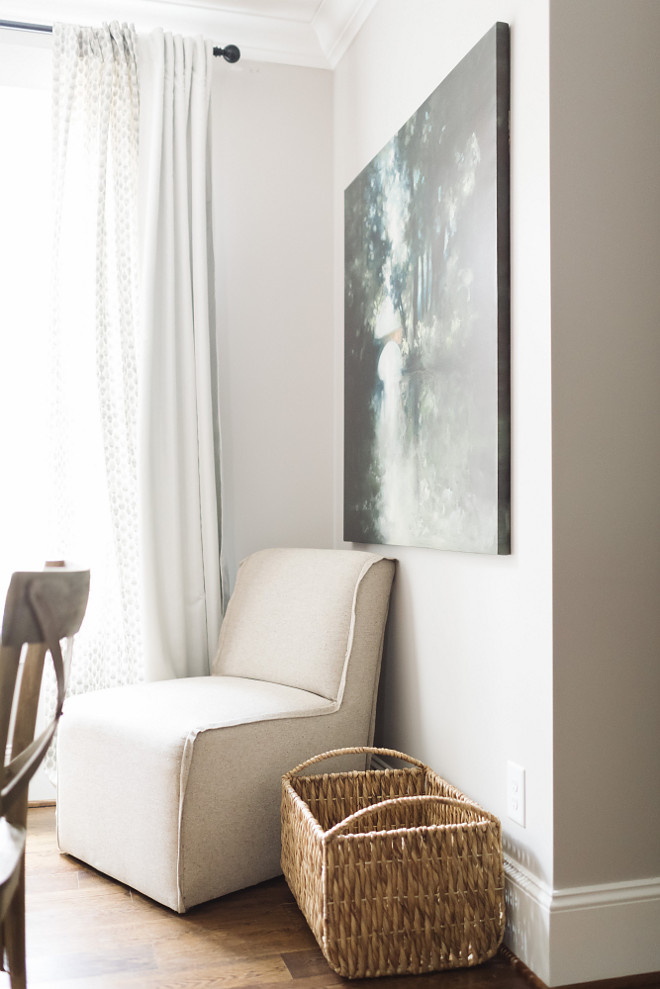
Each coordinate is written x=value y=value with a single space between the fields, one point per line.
x=309 y=35
x=336 y=23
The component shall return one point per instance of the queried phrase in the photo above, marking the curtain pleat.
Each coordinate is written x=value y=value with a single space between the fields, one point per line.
x=178 y=436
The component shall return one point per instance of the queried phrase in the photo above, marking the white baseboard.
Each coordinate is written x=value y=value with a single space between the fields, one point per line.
x=582 y=934
x=527 y=932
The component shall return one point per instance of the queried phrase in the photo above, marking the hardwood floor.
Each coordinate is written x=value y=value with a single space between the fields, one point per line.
x=85 y=931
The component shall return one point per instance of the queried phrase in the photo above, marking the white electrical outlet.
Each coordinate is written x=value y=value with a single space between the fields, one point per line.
x=515 y=793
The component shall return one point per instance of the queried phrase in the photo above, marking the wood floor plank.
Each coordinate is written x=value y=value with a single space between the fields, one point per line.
x=302 y=964
x=88 y=965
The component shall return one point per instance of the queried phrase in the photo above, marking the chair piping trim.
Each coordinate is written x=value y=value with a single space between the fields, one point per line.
x=351 y=631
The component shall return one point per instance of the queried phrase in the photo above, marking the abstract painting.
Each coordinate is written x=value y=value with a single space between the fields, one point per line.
x=426 y=358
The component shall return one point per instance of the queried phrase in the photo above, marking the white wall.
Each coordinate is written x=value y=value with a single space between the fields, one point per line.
x=272 y=129
x=467 y=679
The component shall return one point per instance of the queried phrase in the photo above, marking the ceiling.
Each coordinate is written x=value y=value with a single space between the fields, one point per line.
x=313 y=33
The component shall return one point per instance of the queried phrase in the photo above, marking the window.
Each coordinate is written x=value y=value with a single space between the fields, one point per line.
x=25 y=285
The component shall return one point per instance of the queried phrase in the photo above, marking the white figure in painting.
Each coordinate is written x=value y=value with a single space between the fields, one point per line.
x=388 y=332
x=390 y=363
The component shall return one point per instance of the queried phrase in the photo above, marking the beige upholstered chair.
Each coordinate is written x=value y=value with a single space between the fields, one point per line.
x=41 y=608
x=174 y=787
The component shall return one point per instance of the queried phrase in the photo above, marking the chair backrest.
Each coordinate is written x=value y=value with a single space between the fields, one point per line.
x=296 y=614
x=41 y=608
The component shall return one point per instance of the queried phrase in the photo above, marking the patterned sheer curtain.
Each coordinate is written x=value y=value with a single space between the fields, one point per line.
x=135 y=421
x=94 y=342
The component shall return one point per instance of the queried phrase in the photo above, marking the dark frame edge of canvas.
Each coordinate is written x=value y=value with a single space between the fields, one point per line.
x=502 y=62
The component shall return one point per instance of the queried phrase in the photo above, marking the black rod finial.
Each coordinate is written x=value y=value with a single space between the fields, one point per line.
x=231 y=53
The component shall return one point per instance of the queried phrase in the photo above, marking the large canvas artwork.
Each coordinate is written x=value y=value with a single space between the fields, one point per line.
x=427 y=421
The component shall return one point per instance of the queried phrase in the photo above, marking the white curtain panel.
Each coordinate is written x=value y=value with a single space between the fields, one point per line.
x=93 y=363
x=178 y=452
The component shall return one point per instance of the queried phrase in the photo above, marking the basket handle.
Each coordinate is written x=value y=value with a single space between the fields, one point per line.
x=353 y=751
x=415 y=799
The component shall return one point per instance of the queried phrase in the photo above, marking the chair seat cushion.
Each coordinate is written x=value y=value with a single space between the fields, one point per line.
x=165 y=713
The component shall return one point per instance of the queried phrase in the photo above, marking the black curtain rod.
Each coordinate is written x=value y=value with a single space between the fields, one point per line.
x=230 y=54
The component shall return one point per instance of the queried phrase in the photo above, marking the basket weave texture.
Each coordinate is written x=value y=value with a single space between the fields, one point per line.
x=395 y=870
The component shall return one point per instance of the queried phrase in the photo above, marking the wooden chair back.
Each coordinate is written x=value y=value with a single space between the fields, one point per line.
x=41 y=609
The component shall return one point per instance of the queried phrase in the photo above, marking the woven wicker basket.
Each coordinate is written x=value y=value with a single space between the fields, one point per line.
x=396 y=871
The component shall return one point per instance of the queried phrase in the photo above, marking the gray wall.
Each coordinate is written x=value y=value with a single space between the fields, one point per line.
x=272 y=131
x=605 y=194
